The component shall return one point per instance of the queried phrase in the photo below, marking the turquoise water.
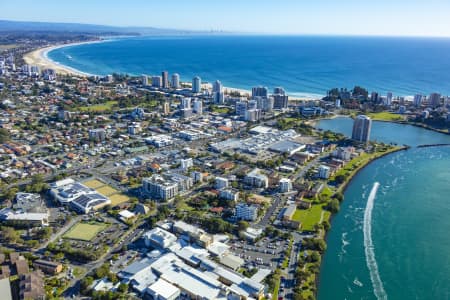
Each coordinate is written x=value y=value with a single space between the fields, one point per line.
x=303 y=65
x=388 y=132
x=409 y=225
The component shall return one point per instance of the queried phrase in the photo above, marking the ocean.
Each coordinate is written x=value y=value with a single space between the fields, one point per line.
x=304 y=65
x=390 y=239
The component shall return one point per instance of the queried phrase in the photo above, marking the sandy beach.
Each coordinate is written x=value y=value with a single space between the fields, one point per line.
x=39 y=58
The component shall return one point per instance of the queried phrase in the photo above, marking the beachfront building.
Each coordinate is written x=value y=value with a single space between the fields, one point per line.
x=259 y=91
x=196 y=84
x=361 y=128
x=165 y=79
x=175 y=81
x=156 y=81
x=218 y=94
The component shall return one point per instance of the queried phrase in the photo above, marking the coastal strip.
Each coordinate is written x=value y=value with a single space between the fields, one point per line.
x=39 y=57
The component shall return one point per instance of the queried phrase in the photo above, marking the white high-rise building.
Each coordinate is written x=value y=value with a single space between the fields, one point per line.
x=196 y=84
x=175 y=81
x=144 y=79
x=324 y=172
x=185 y=103
x=241 y=108
x=388 y=99
x=361 y=128
x=198 y=107
x=217 y=90
x=186 y=163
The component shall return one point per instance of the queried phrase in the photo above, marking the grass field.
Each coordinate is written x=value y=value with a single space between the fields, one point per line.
x=84 y=231
x=310 y=217
x=98 y=107
x=118 y=199
x=94 y=183
x=386 y=116
x=107 y=190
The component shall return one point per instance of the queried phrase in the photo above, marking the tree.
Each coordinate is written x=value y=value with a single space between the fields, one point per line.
x=243 y=225
x=11 y=235
x=4 y=135
x=333 y=206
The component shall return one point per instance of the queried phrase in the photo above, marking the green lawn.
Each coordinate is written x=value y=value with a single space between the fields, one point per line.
x=98 y=107
x=310 y=217
x=84 y=231
x=276 y=289
x=386 y=116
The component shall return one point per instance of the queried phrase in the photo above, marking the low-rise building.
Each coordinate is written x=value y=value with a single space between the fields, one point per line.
x=48 y=267
x=159 y=238
x=229 y=194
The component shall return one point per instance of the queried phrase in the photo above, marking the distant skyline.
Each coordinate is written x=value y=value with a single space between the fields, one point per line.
x=321 y=17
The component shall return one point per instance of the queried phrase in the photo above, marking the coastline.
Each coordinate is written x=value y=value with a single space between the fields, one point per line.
x=342 y=190
x=39 y=57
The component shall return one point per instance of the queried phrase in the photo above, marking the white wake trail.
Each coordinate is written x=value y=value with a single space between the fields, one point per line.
x=371 y=262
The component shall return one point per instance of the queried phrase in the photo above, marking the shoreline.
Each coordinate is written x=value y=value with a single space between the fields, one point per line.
x=342 y=190
x=39 y=57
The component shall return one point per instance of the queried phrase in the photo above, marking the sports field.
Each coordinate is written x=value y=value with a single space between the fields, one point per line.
x=93 y=184
x=118 y=199
x=84 y=231
x=107 y=190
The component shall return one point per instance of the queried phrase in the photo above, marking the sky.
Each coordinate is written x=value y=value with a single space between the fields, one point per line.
x=322 y=17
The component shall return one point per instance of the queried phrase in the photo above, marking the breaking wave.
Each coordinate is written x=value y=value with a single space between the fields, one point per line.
x=371 y=261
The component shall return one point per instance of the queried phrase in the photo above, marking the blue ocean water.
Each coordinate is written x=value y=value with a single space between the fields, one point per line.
x=303 y=65
x=409 y=253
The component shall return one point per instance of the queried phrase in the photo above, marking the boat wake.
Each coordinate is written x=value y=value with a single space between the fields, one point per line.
x=371 y=261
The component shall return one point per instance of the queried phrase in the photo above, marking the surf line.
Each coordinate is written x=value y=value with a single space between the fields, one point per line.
x=369 y=250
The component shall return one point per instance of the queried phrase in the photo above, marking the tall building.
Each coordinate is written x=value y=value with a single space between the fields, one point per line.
x=198 y=106
x=165 y=79
x=241 y=108
x=196 y=84
x=418 y=100
x=361 y=128
x=279 y=90
x=144 y=79
x=324 y=172
x=217 y=90
x=280 y=99
x=156 y=81
x=388 y=99
x=166 y=108
x=186 y=103
x=374 y=97
x=434 y=100
x=259 y=91
x=175 y=81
